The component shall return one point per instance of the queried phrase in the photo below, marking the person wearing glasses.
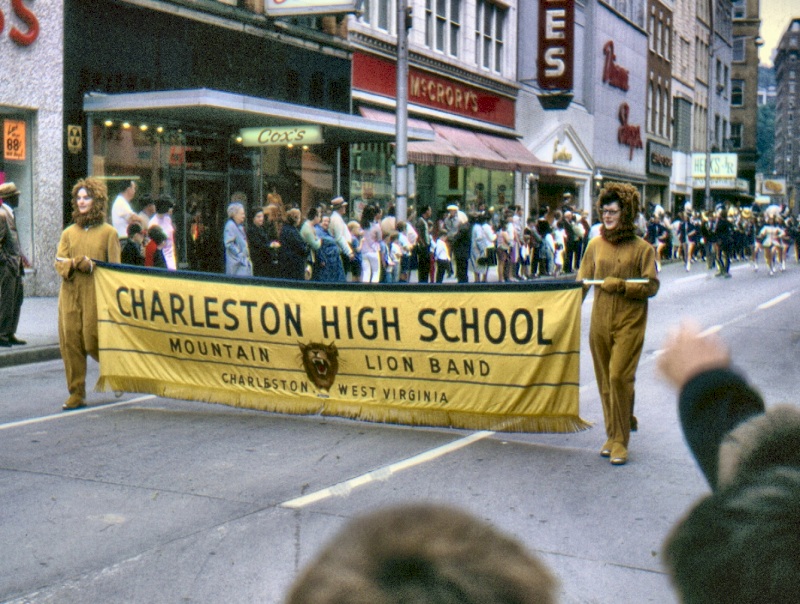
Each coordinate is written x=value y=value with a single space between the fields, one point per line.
x=625 y=265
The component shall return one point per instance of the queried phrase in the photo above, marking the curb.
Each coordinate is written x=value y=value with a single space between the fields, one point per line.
x=37 y=354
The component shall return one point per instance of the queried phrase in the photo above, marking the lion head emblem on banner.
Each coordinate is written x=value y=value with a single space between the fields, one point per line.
x=321 y=363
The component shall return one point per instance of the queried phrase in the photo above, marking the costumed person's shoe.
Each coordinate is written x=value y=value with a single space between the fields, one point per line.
x=619 y=455
x=73 y=402
x=15 y=340
x=606 y=450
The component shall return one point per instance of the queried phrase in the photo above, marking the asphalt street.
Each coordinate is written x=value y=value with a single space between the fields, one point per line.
x=145 y=499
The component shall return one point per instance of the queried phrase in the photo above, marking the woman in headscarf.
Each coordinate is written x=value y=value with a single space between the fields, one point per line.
x=619 y=315
x=90 y=238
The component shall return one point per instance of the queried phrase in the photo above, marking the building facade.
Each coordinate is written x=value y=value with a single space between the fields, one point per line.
x=658 y=115
x=787 y=111
x=31 y=109
x=684 y=113
x=744 y=88
x=462 y=87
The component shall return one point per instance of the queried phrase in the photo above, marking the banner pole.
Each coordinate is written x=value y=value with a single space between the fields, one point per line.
x=600 y=281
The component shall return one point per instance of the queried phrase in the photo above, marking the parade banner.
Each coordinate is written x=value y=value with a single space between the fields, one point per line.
x=496 y=357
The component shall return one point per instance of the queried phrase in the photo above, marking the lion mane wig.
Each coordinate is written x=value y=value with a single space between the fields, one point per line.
x=628 y=198
x=98 y=191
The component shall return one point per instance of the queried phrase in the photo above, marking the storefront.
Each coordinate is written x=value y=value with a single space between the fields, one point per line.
x=474 y=158
x=206 y=112
x=572 y=173
x=30 y=124
x=207 y=147
x=659 y=170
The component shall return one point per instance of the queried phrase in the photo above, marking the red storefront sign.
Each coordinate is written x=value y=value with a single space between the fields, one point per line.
x=22 y=38
x=613 y=74
x=379 y=76
x=628 y=134
x=556 y=44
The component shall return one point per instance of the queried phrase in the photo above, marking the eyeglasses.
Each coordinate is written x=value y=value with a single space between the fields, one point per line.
x=609 y=212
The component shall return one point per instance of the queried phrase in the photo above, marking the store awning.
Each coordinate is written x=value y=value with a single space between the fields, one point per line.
x=454 y=146
x=208 y=108
x=437 y=151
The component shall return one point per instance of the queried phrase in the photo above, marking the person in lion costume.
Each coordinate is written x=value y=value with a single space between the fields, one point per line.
x=625 y=265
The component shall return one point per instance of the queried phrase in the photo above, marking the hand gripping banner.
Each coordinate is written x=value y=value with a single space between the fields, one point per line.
x=494 y=357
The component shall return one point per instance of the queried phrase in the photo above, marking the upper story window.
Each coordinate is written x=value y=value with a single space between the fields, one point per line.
x=737 y=93
x=443 y=25
x=490 y=23
x=739 y=49
x=739 y=9
x=378 y=13
x=633 y=10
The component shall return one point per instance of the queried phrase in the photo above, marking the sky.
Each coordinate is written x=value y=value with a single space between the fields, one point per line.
x=775 y=18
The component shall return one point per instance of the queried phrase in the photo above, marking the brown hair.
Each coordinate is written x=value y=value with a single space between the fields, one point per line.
x=425 y=554
x=97 y=190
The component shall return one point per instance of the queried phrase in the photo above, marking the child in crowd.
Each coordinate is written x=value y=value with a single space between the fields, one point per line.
x=358 y=234
x=132 y=252
x=396 y=254
x=441 y=256
x=153 y=253
x=387 y=261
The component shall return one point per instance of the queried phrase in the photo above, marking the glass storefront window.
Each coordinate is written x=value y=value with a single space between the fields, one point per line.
x=371 y=176
x=436 y=186
x=16 y=165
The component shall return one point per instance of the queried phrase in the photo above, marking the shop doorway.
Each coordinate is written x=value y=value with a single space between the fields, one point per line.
x=199 y=217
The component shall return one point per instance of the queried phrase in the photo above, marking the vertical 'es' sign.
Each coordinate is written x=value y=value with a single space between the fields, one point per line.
x=556 y=44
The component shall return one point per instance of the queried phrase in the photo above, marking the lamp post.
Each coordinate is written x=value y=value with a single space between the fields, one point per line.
x=598 y=186
x=598 y=182
x=401 y=147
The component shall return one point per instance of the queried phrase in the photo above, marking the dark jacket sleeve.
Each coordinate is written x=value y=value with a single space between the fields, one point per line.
x=712 y=404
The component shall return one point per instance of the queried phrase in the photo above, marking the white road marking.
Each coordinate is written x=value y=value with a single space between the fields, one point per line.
x=710 y=330
x=345 y=488
x=774 y=301
x=65 y=414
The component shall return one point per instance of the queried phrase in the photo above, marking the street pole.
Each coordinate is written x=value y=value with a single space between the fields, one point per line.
x=401 y=146
x=709 y=120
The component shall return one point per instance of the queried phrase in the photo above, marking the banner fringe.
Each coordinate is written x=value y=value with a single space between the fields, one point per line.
x=376 y=413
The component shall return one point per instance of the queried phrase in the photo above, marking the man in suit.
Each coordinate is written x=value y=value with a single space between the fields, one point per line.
x=12 y=264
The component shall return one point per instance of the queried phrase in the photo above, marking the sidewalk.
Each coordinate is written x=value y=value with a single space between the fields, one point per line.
x=38 y=326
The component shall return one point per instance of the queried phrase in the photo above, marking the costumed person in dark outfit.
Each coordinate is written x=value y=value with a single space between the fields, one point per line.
x=12 y=267
x=90 y=238
x=619 y=315
x=739 y=544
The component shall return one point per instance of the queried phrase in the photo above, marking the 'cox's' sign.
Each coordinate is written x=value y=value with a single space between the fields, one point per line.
x=281 y=135
x=24 y=14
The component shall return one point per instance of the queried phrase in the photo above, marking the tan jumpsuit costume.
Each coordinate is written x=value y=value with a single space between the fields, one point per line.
x=617 y=331
x=77 y=305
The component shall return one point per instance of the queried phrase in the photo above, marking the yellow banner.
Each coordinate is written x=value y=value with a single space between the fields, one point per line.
x=479 y=356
